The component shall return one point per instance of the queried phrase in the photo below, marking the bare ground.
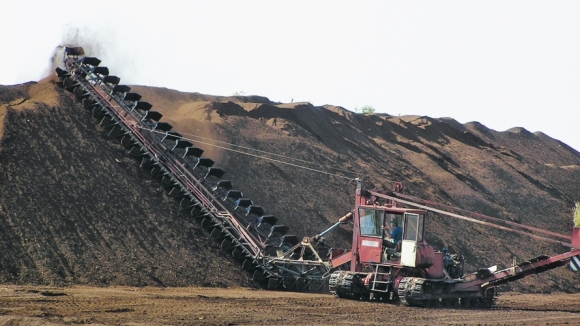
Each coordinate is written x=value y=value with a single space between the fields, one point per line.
x=23 y=305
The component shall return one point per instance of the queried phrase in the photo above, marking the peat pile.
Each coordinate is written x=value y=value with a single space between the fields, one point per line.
x=75 y=209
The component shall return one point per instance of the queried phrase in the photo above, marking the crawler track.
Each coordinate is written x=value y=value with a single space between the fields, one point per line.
x=420 y=292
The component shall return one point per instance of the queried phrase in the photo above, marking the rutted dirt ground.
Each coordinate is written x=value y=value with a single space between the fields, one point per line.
x=21 y=305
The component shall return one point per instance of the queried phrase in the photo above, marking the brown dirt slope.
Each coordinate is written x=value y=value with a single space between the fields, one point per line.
x=74 y=209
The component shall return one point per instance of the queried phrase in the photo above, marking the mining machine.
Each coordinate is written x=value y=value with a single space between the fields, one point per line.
x=276 y=258
x=413 y=271
x=373 y=268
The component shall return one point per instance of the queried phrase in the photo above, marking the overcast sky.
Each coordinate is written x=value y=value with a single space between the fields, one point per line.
x=503 y=63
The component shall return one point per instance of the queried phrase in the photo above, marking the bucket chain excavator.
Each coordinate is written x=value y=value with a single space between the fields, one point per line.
x=276 y=258
x=405 y=268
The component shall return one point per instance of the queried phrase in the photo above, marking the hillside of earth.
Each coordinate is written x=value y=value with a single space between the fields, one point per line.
x=76 y=209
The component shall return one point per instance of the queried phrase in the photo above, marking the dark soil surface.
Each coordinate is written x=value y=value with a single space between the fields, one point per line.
x=75 y=209
x=239 y=306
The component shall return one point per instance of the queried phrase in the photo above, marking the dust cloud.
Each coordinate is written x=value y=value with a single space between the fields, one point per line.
x=96 y=43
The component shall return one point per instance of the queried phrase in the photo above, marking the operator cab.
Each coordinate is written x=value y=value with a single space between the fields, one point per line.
x=375 y=244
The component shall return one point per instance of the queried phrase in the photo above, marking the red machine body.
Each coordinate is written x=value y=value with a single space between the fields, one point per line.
x=413 y=271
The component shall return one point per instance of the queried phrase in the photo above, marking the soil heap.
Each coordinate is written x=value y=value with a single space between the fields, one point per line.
x=76 y=209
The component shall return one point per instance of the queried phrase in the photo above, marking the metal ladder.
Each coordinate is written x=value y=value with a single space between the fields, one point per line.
x=377 y=286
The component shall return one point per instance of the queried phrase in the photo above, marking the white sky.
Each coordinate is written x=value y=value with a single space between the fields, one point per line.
x=503 y=63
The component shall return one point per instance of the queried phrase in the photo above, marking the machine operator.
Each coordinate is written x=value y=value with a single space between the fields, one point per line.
x=397 y=232
x=396 y=236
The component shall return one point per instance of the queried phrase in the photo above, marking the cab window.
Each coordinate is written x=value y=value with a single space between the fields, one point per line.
x=371 y=222
x=414 y=227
